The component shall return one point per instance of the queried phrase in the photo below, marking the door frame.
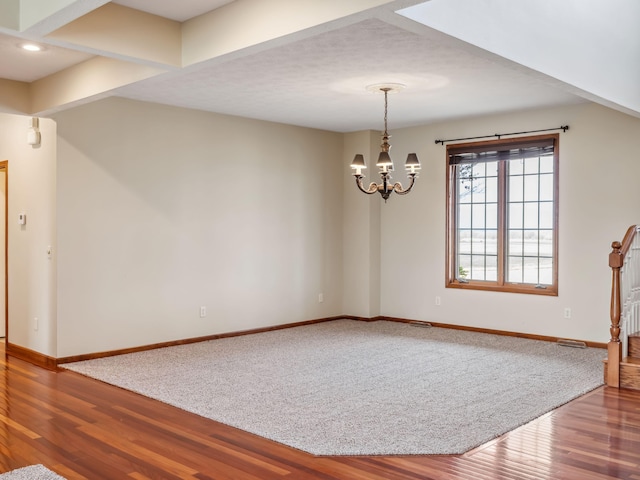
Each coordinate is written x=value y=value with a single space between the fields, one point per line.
x=4 y=165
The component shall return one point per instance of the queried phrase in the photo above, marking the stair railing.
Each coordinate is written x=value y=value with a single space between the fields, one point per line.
x=624 y=261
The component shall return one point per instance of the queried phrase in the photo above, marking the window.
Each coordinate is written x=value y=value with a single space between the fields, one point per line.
x=502 y=215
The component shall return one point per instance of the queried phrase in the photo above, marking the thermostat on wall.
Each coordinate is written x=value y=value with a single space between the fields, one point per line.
x=33 y=136
x=33 y=132
x=22 y=219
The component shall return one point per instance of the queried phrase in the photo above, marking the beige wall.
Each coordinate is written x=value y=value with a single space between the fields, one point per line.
x=361 y=239
x=32 y=182
x=599 y=199
x=163 y=210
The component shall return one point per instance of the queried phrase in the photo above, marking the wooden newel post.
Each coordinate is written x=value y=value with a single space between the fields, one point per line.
x=614 y=347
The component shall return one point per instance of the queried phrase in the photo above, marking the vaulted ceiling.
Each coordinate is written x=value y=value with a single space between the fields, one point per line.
x=309 y=62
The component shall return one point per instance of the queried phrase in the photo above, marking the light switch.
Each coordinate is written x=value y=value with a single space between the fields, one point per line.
x=22 y=219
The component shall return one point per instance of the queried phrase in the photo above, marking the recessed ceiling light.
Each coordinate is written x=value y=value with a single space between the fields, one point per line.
x=31 y=47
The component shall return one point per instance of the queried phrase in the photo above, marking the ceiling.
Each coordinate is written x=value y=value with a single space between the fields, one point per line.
x=310 y=68
x=179 y=11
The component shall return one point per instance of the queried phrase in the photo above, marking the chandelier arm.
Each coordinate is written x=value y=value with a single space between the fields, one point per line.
x=373 y=187
x=397 y=187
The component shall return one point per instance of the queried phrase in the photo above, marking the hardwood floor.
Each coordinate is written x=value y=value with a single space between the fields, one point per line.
x=82 y=428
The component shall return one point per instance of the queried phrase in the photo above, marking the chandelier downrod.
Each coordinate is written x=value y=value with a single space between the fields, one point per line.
x=385 y=164
x=385 y=147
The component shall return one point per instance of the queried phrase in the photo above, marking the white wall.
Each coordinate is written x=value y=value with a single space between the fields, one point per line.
x=163 y=210
x=31 y=190
x=599 y=199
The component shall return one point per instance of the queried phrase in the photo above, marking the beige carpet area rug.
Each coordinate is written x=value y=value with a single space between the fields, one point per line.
x=356 y=388
x=33 y=472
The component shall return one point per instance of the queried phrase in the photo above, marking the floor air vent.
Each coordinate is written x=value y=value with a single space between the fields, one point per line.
x=572 y=343
x=421 y=324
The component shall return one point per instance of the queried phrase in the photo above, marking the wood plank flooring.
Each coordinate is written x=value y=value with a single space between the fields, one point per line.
x=82 y=428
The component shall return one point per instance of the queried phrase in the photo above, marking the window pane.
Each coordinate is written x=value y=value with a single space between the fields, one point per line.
x=464 y=266
x=464 y=191
x=478 y=216
x=492 y=169
x=492 y=268
x=477 y=267
x=492 y=189
x=514 y=271
x=546 y=271
x=546 y=215
x=515 y=242
x=464 y=241
x=478 y=189
x=546 y=187
x=516 y=211
x=477 y=238
x=531 y=188
x=491 y=242
x=546 y=164
x=479 y=170
x=464 y=216
x=546 y=243
x=531 y=165
x=530 y=244
x=530 y=270
x=516 y=192
x=516 y=167
x=530 y=215
x=463 y=173
x=491 y=216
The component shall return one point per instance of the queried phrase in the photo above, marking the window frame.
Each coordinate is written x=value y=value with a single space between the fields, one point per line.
x=500 y=284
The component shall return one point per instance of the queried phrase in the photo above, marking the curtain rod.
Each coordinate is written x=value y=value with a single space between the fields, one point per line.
x=564 y=128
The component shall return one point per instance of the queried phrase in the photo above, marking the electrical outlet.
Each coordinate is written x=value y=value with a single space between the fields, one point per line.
x=567 y=312
x=203 y=312
x=438 y=301
x=320 y=297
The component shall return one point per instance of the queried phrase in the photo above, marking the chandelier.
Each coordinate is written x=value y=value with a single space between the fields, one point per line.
x=385 y=164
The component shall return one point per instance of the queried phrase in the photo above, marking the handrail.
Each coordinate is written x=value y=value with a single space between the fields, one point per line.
x=627 y=241
x=615 y=347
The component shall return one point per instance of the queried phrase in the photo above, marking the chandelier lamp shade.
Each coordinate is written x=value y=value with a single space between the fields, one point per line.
x=384 y=163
